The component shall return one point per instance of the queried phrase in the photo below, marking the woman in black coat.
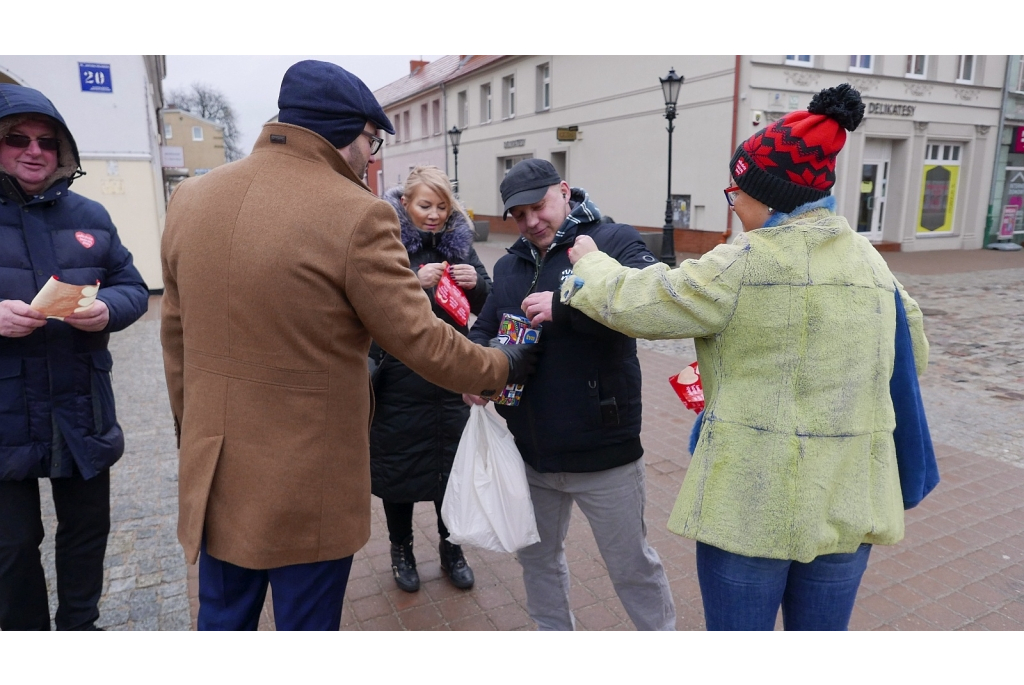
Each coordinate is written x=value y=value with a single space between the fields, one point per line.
x=416 y=424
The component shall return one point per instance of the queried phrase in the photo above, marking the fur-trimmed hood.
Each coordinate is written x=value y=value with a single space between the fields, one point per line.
x=453 y=241
x=18 y=104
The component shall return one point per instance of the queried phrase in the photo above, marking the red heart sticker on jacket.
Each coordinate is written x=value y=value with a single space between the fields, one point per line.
x=86 y=239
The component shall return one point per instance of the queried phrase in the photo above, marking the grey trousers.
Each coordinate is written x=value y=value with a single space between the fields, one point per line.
x=613 y=502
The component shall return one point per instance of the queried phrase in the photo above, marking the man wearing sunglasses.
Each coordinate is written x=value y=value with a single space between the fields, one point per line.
x=56 y=400
x=278 y=269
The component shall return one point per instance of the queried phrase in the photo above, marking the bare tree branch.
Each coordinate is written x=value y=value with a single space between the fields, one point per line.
x=207 y=102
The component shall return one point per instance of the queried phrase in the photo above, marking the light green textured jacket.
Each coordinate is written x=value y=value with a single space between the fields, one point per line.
x=794 y=328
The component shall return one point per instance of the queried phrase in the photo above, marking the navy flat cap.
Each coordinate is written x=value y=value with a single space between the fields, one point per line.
x=330 y=101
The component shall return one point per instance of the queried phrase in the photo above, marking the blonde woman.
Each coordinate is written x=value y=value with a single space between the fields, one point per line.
x=417 y=425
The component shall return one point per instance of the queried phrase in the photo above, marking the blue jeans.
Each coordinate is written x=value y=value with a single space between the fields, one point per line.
x=744 y=593
x=306 y=596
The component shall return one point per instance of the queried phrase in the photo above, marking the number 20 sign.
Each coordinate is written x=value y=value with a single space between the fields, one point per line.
x=95 y=77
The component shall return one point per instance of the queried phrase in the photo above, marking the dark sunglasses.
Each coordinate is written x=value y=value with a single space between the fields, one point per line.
x=20 y=141
x=730 y=194
x=375 y=142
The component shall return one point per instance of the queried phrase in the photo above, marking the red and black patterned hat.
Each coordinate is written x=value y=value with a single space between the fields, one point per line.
x=793 y=160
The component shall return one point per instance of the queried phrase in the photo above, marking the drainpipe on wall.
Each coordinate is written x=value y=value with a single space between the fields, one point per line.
x=992 y=213
x=732 y=147
x=444 y=126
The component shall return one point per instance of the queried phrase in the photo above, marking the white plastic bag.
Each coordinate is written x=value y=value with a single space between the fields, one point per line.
x=487 y=501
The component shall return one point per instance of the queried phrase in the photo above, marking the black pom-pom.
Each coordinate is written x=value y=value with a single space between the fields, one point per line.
x=841 y=103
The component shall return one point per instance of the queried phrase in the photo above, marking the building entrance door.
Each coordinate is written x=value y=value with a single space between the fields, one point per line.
x=874 y=181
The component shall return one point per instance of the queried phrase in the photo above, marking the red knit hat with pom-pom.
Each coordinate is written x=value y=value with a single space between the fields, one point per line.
x=793 y=161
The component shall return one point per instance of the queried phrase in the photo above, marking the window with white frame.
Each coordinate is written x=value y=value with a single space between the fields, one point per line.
x=508 y=93
x=544 y=87
x=800 y=60
x=405 y=126
x=398 y=126
x=917 y=66
x=436 y=111
x=862 y=64
x=168 y=132
x=462 y=101
x=965 y=69
x=1020 y=77
x=940 y=182
x=197 y=133
x=486 y=104
x=424 y=120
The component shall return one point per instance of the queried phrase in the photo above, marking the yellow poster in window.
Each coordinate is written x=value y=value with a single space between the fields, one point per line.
x=938 y=198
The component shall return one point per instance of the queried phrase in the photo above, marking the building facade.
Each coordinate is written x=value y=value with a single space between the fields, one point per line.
x=916 y=175
x=111 y=104
x=195 y=142
x=415 y=106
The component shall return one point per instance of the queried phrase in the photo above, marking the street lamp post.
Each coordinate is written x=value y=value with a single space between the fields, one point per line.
x=454 y=134
x=670 y=86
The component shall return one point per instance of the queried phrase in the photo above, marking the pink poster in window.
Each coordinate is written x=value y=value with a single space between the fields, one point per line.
x=1008 y=222
x=1018 y=139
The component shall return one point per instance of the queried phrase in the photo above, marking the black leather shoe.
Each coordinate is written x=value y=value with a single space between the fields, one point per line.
x=403 y=566
x=454 y=564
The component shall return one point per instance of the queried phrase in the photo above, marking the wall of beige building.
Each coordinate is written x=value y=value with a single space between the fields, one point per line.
x=118 y=140
x=203 y=154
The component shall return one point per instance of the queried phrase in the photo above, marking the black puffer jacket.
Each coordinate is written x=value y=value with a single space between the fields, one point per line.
x=416 y=424
x=56 y=397
x=580 y=412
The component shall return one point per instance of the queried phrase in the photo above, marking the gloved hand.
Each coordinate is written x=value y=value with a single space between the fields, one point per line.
x=522 y=359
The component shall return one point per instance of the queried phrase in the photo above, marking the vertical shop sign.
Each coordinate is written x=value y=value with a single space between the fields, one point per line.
x=938 y=196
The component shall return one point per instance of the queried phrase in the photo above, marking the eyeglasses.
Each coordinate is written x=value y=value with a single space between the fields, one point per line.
x=730 y=195
x=375 y=142
x=20 y=141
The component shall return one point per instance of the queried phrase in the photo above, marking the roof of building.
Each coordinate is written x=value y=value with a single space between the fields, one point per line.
x=431 y=75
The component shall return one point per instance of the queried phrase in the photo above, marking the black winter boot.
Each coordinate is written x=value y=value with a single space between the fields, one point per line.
x=403 y=565
x=454 y=564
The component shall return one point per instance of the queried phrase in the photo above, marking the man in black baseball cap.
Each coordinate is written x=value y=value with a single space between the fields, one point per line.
x=577 y=425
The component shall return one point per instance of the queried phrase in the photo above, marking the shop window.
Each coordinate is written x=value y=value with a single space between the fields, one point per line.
x=940 y=179
x=917 y=66
x=965 y=69
x=862 y=64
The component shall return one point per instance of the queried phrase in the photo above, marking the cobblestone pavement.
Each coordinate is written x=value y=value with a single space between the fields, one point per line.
x=961 y=565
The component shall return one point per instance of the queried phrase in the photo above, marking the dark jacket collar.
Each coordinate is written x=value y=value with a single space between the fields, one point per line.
x=11 y=190
x=582 y=212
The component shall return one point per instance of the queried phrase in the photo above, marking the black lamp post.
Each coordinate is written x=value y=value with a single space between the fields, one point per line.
x=670 y=85
x=454 y=134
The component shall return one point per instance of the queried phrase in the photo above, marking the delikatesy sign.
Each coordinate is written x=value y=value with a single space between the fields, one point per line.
x=95 y=77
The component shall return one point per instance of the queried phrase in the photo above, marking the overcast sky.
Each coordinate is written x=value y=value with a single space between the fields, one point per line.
x=251 y=83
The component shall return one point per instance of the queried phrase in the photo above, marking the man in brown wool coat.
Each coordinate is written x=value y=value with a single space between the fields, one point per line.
x=278 y=270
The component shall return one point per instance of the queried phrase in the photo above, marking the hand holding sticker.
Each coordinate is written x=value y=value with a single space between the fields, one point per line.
x=57 y=300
